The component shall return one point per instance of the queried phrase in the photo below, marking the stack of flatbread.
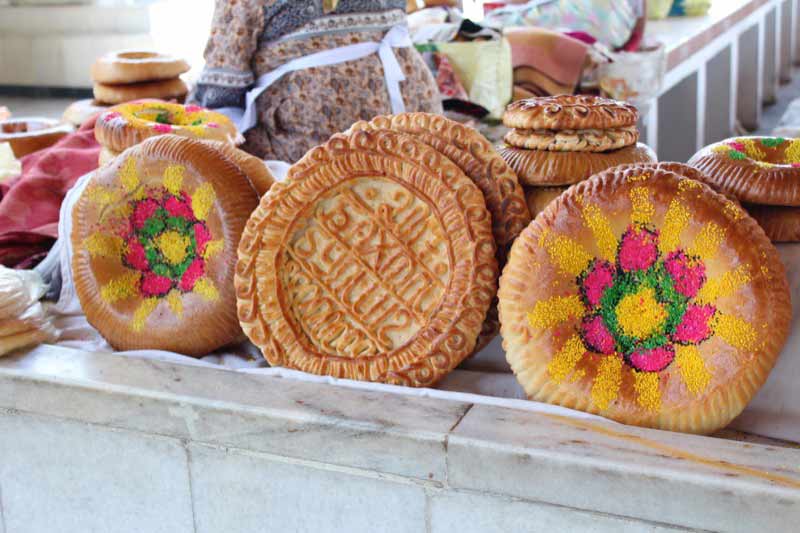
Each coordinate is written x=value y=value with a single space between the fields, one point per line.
x=23 y=320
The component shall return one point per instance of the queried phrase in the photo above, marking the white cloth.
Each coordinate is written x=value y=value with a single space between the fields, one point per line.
x=396 y=37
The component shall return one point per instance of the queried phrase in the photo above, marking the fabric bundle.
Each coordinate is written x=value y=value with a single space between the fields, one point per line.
x=23 y=321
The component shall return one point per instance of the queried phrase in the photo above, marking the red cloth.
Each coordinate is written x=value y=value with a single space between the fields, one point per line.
x=29 y=203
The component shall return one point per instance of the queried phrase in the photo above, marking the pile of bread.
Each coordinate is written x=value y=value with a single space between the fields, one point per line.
x=379 y=256
x=23 y=321
x=130 y=75
x=558 y=141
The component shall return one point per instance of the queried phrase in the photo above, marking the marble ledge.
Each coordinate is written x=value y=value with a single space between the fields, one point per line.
x=437 y=445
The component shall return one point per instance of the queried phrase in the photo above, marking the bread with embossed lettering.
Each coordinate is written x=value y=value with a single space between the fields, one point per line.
x=374 y=260
x=645 y=297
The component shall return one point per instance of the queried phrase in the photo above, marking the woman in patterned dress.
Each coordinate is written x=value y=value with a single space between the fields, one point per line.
x=303 y=108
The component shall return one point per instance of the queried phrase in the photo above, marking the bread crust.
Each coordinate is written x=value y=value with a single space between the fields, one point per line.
x=132 y=66
x=386 y=238
x=714 y=257
x=126 y=125
x=758 y=170
x=569 y=112
x=154 y=238
x=120 y=93
x=545 y=168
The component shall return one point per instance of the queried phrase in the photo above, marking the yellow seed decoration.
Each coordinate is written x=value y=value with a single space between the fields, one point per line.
x=102 y=196
x=639 y=177
x=172 y=246
x=103 y=245
x=175 y=302
x=693 y=368
x=707 y=241
x=647 y=388
x=792 y=152
x=601 y=229
x=554 y=311
x=675 y=221
x=724 y=285
x=142 y=312
x=202 y=200
x=639 y=314
x=643 y=209
x=721 y=149
x=206 y=289
x=752 y=150
x=735 y=331
x=568 y=255
x=213 y=248
x=128 y=175
x=687 y=185
x=607 y=383
x=565 y=360
x=121 y=287
x=173 y=179
x=733 y=211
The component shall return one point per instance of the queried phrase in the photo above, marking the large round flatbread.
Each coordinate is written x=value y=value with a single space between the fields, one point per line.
x=374 y=260
x=646 y=297
x=155 y=235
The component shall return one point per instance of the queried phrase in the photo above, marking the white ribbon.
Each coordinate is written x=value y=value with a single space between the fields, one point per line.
x=396 y=37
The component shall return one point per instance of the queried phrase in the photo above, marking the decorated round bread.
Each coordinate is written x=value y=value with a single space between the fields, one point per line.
x=473 y=154
x=374 y=260
x=569 y=112
x=154 y=236
x=647 y=298
x=126 y=125
x=760 y=170
x=549 y=168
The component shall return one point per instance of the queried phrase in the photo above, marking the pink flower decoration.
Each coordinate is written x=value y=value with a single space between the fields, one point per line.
x=737 y=146
x=192 y=274
x=155 y=285
x=163 y=128
x=111 y=116
x=596 y=281
x=212 y=125
x=638 y=250
x=796 y=165
x=178 y=208
x=695 y=326
x=687 y=275
x=193 y=108
x=136 y=256
x=201 y=236
x=653 y=360
x=596 y=335
x=143 y=211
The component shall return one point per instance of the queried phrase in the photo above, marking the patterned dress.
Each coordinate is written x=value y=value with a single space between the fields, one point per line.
x=301 y=110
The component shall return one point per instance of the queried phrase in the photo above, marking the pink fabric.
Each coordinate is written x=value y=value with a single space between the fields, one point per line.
x=29 y=203
x=554 y=54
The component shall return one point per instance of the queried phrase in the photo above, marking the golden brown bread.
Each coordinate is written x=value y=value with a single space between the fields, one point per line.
x=539 y=198
x=569 y=112
x=780 y=223
x=155 y=235
x=114 y=94
x=474 y=155
x=545 y=168
x=759 y=170
x=647 y=298
x=374 y=260
x=126 y=125
x=132 y=66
